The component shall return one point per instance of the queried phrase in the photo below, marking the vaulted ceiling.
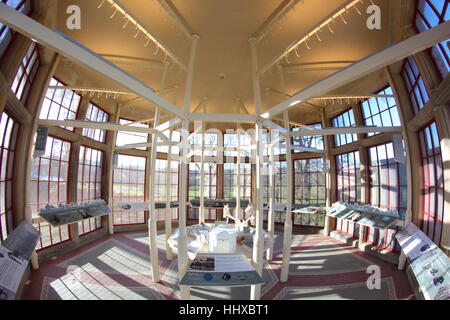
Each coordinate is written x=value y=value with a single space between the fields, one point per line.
x=223 y=70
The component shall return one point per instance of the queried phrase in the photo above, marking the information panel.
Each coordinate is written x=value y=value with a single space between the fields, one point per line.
x=429 y=265
x=221 y=270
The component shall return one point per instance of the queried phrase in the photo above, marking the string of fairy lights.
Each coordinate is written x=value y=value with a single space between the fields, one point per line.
x=129 y=19
x=304 y=43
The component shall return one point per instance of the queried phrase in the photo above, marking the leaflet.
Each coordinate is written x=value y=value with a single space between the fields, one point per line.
x=12 y=269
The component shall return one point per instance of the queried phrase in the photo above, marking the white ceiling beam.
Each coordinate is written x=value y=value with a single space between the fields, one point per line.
x=223 y=117
x=343 y=130
x=133 y=146
x=272 y=125
x=71 y=49
x=177 y=17
x=95 y=125
x=305 y=149
x=133 y=61
x=272 y=20
x=169 y=124
x=366 y=66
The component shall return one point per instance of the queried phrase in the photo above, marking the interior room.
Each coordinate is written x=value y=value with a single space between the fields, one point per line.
x=224 y=150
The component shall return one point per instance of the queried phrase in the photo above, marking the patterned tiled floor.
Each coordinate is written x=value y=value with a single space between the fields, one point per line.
x=118 y=268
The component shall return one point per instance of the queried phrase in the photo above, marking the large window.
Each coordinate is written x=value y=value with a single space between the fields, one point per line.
x=348 y=177
x=128 y=186
x=230 y=141
x=273 y=137
x=348 y=184
x=310 y=185
x=211 y=140
x=310 y=189
x=380 y=112
x=430 y=13
x=414 y=83
x=96 y=114
x=281 y=177
x=281 y=188
x=174 y=136
x=346 y=119
x=26 y=73
x=124 y=138
x=387 y=190
x=433 y=183
x=230 y=181
x=49 y=179
x=210 y=191
x=6 y=34
x=89 y=187
x=160 y=177
x=387 y=179
x=60 y=104
x=8 y=136
x=315 y=142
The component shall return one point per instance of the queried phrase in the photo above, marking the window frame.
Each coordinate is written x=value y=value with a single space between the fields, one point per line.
x=115 y=199
x=7 y=210
x=39 y=226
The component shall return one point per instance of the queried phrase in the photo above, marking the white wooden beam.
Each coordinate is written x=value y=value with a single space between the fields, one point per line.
x=177 y=17
x=95 y=125
x=272 y=20
x=258 y=241
x=303 y=149
x=168 y=125
x=372 y=63
x=287 y=236
x=168 y=215
x=343 y=130
x=223 y=117
x=272 y=125
x=133 y=146
x=152 y=228
x=182 y=238
x=271 y=213
x=76 y=52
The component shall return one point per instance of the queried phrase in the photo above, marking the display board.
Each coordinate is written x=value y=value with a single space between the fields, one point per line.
x=219 y=203
x=143 y=206
x=366 y=215
x=219 y=270
x=71 y=213
x=23 y=240
x=15 y=255
x=429 y=266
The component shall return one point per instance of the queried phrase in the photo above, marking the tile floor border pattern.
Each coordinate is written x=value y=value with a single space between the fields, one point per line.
x=389 y=281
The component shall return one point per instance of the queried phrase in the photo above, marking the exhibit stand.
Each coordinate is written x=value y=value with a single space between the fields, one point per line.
x=15 y=256
x=429 y=267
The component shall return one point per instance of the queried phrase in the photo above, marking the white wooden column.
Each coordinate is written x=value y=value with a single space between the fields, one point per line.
x=287 y=240
x=329 y=174
x=152 y=229
x=182 y=238
x=168 y=189
x=271 y=215
x=239 y=214
x=201 y=216
x=258 y=243
x=112 y=146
